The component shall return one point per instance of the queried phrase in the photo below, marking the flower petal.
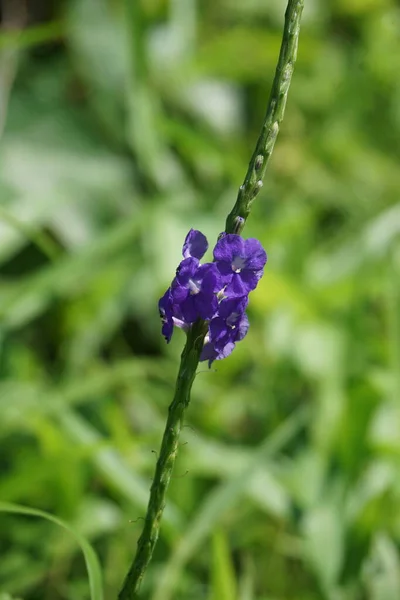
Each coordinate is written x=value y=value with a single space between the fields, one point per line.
x=165 y=308
x=210 y=277
x=186 y=270
x=228 y=247
x=210 y=353
x=180 y=323
x=218 y=329
x=250 y=279
x=226 y=351
x=189 y=310
x=179 y=292
x=242 y=328
x=237 y=287
x=225 y=269
x=195 y=245
x=165 y=303
x=231 y=306
x=206 y=306
x=256 y=257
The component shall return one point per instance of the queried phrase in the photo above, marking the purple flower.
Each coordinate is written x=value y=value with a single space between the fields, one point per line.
x=195 y=244
x=170 y=315
x=214 y=292
x=210 y=353
x=195 y=289
x=166 y=313
x=231 y=324
x=240 y=262
x=228 y=327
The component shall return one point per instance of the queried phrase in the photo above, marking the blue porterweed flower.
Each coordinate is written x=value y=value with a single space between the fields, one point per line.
x=171 y=315
x=240 y=262
x=195 y=289
x=195 y=244
x=193 y=292
x=216 y=292
x=231 y=323
x=228 y=327
x=166 y=314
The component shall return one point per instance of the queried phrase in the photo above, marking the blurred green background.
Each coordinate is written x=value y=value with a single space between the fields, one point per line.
x=124 y=124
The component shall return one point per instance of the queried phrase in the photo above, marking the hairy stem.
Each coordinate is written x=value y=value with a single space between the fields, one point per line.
x=253 y=180
x=169 y=448
x=194 y=343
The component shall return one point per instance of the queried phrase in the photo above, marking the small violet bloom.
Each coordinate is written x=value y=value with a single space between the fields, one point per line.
x=240 y=262
x=215 y=292
x=195 y=245
x=210 y=353
x=192 y=294
x=166 y=314
x=195 y=289
x=228 y=327
x=231 y=323
x=171 y=315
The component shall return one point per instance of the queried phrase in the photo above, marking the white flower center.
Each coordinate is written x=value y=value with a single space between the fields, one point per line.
x=221 y=294
x=231 y=319
x=238 y=264
x=194 y=287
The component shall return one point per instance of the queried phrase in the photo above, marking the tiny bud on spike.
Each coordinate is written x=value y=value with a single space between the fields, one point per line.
x=238 y=225
x=258 y=162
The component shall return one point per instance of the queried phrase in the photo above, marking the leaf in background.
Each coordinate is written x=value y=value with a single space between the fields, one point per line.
x=382 y=573
x=217 y=503
x=223 y=580
x=324 y=543
x=92 y=563
x=100 y=56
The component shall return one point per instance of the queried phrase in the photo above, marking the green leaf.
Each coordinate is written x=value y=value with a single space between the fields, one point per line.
x=91 y=560
x=222 y=569
x=219 y=501
x=383 y=571
x=325 y=543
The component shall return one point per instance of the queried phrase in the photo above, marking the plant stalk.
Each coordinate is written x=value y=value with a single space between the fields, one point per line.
x=253 y=180
x=194 y=343
x=165 y=463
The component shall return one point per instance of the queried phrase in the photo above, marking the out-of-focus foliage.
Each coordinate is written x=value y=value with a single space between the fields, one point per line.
x=124 y=124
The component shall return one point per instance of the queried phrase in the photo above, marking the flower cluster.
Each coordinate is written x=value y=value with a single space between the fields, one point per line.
x=215 y=292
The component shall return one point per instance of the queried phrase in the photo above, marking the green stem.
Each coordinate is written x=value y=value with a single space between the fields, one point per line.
x=169 y=448
x=253 y=180
x=194 y=343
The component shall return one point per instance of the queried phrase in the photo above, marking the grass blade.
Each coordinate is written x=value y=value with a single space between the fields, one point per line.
x=91 y=560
